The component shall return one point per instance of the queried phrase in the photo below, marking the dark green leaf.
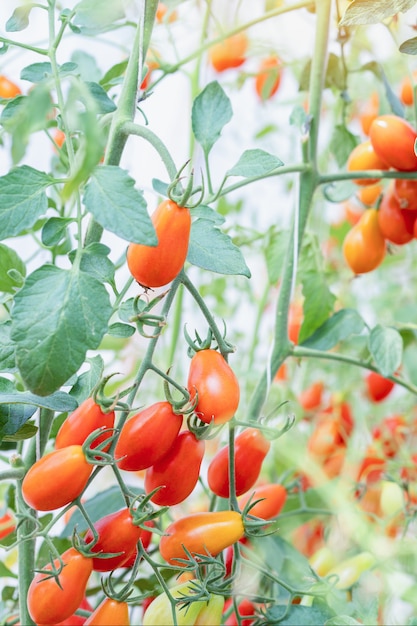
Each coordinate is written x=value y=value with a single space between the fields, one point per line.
x=120 y=208
x=19 y=19
x=27 y=431
x=55 y=230
x=37 y=72
x=7 y=348
x=86 y=382
x=22 y=199
x=275 y=251
x=94 y=261
x=373 y=11
x=210 y=113
x=67 y=313
x=386 y=347
x=255 y=163
x=339 y=191
x=10 y=260
x=215 y=251
x=338 y=327
x=102 y=100
x=342 y=143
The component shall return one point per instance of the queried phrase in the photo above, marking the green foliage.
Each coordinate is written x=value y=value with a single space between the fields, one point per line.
x=212 y=110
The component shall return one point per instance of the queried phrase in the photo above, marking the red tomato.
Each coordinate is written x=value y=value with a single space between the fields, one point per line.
x=325 y=438
x=155 y=266
x=230 y=52
x=364 y=246
x=77 y=620
x=145 y=538
x=8 y=89
x=147 y=436
x=7 y=525
x=251 y=448
x=50 y=603
x=405 y=190
x=395 y=224
x=311 y=397
x=177 y=472
x=295 y=320
x=116 y=533
x=393 y=140
x=110 y=613
x=201 y=533
x=216 y=385
x=390 y=434
x=372 y=467
x=309 y=537
x=268 y=78
x=378 y=387
x=246 y=609
x=271 y=498
x=364 y=157
x=82 y=422
x=56 y=479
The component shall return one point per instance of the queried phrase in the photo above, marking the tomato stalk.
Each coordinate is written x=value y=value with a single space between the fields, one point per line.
x=26 y=556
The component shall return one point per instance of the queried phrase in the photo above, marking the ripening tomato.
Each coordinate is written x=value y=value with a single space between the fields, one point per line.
x=110 y=613
x=378 y=387
x=295 y=320
x=323 y=560
x=212 y=378
x=405 y=190
x=162 y=13
x=395 y=224
x=8 y=89
x=364 y=246
x=364 y=157
x=311 y=398
x=177 y=472
x=390 y=434
x=353 y=212
x=406 y=93
x=369 y=194
x=116 y=534
x=201 y=533
x=155 y=266
x=145 y=539
x=82 y=422
x=369 y=112
x=393 y=140
x=268 y=79
x=251 y=448
x=49 y=602
x=56 y=479
x=77 y=620
x=7 y=525
x=59 y=137
x=372 y=467
x=147 y=436
x=271 y=498
x=349 y=571
x=230 y=52
x=246 y=609
x=152 y=63
x=325 y=438
x=309 y=537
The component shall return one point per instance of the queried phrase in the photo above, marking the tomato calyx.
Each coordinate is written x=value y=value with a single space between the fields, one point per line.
x=97 y=455
x=143 y=317
x=145 y=512
x=180 y=195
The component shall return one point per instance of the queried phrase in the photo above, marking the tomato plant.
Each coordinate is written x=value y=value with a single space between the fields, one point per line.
x=155 y=266
x=87 y=418
x=212 y=381
x=52 y=600
x=251 y=448
x=56 y=479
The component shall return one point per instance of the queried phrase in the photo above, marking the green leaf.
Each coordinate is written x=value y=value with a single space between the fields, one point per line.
x=211 y=111
x=58 y=316
x=7 y=348
x=334 y=74
x=338 y=327
x=86 y=382
x=275 y=251
x=120 y=208
x=318 y=299
x=342 y=143
x=299 y=614
x=5 y=572
x=113 y=75
x=409 y=46
x=395 y=103
x=22 y=199
x=121 y=330
x=95 y=17
x=102 y=100
x=19 y=19
x=386 y=347
x=255 y=163
x=339 y=191
x=10 y=260
x=373 y=11
x=208 y=213
x=55 y=230
x=12 y=416
x=87 y=67
x=213 y=250
x=27 y=431
x=37 y=72
x=342 y=620
x=94 y=261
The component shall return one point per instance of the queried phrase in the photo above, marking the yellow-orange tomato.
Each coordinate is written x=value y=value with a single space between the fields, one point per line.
x=163 y=13
x=369 y=112
x=8 y=89
x=268 y=78
x=407 y=90
x=109 y=612
x=393 y=140
x=364 y=246
x=369 y=194
x=353 y=213
x=364 y=157
x=230 y=52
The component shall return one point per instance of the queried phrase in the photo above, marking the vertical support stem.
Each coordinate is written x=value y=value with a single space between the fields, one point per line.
x=308 y=183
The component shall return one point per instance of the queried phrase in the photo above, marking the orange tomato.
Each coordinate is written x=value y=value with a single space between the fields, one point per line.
x=271 y=499
x=406 y=92
x=369 y=194
x=230 y=52
x=268 y=78
x=369 y=112
x=364 y=246
x=364 y=157
x=295 y=320
x=162 y=13
x=8 y=89
x=405 y=190
x=395 y=224
x=393 y=140
x=311 y=397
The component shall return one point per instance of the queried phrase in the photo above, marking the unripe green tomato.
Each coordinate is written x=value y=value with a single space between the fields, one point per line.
x=323 y=560
x=350 y=570
x=198 y=613
x=392 y=498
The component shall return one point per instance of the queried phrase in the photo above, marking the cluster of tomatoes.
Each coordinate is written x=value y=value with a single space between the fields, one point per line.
x=392 y=214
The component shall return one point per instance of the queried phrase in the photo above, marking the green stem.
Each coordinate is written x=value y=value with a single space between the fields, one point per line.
x=259 y=317
x=300 y=352
x=336 y=176
x=131 y=128
x=307 y=183
x=176 y=325
x=12 y=474
x=45 y=422
x=26 y=558
x=18 y=44
x=234 y=505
